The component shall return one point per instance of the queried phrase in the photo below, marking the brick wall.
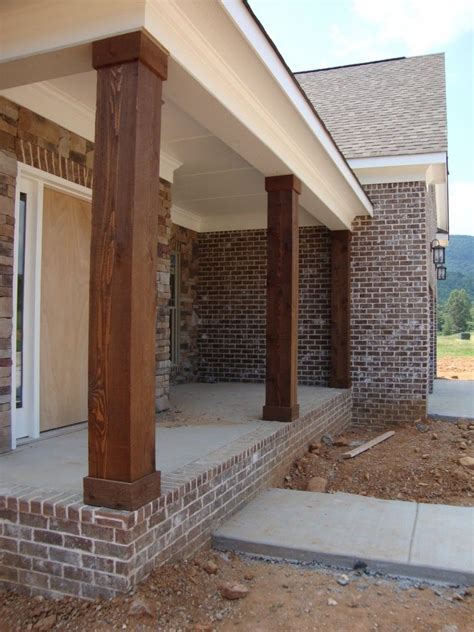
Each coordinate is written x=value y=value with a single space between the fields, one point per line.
x=390 y=307
x=232 y=306
x=53 y=544
x=185 y=242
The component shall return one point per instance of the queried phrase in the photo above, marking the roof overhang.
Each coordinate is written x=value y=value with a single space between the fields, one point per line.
x=431 y=168
x=221 y=65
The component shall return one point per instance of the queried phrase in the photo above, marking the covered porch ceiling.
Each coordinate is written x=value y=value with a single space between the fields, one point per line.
x=232 y=114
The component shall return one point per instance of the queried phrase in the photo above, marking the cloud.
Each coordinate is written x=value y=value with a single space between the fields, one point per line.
x=419 y=24
x=413 y=27
x=461 y=208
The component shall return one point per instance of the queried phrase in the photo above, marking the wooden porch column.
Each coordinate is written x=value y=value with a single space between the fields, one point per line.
x=281 y=401
x=340 y=309
x=122 y=317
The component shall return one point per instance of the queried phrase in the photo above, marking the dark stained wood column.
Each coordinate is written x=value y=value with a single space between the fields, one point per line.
x=122 y=317
x=281 y=399
x=340 y=309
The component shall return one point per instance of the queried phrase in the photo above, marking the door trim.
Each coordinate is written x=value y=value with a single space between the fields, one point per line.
x=32 y=181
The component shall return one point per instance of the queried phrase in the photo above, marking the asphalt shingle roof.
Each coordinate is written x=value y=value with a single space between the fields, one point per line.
x=385 y=108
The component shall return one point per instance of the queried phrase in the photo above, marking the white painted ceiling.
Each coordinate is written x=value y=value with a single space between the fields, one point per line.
x=213 y=180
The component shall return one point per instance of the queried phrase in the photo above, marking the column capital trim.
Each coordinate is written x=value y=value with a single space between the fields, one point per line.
x=135 y=46
x=283 y=183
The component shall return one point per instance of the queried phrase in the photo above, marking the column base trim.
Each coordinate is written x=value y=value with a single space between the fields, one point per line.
x=102 y=492
x=281 y=413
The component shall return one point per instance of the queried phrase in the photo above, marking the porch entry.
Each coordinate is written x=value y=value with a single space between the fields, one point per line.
x=64 y=325
x=52 y=308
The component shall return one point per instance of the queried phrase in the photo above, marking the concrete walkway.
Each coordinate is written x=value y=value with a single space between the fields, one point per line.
x=452 y=399
x=434 y=542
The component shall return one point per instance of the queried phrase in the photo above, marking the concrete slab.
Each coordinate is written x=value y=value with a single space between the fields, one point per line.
x=203 y=420
x=443 y=542
x=38 y=462
x=452 y=399
x=338 y=530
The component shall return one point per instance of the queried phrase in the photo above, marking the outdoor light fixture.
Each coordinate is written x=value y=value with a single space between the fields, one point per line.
x=441 y=273
x=438 y=252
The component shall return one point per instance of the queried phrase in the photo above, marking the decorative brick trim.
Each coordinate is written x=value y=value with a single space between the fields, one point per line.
x=52 y=544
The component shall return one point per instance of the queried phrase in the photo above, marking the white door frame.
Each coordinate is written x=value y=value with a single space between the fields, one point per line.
x=26 y=422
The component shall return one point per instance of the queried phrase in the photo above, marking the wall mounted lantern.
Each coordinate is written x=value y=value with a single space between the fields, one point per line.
x=441 y=273
x=438 y=252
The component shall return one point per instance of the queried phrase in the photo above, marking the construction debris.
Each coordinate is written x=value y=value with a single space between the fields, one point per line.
x=366 y=446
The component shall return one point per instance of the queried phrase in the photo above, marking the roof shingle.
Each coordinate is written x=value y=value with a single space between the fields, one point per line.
x=385 y=108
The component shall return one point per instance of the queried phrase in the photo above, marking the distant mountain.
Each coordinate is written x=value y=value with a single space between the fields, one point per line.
x=460 y=267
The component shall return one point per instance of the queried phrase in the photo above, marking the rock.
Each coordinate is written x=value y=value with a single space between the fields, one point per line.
x=332 y=602
x=425 y=456
x=341 y=442
x=421 y=427
x=434 y=436
x=467 y=461
x=314 y=447
x=249 y=577
x=210 y=567
x=462 y=425
x=203 y=627
x=343 y=580
x=140 y=607
x=317 y=484
x=359 y=565
x=327 y=440
x=462 y=446
x=233 y=591
x=43 y=625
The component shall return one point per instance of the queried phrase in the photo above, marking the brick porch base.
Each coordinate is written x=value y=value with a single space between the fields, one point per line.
x=53 y=544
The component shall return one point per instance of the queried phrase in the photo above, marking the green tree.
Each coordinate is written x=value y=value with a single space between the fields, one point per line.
x=457 y=312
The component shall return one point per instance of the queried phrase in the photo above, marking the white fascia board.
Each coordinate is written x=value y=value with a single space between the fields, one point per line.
x=252 y=32
x=404 y=160
x=427 y=168
x=207 y=47
x=57 y=106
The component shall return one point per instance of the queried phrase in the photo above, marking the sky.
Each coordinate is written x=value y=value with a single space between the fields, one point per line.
x=324 y=33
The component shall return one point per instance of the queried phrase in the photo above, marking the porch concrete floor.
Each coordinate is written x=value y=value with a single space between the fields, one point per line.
x=202 y=418
x=452 y=400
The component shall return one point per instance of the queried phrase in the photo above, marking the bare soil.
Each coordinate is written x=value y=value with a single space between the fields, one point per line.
x=415 y=465
x=281 y=598
x=455 y=368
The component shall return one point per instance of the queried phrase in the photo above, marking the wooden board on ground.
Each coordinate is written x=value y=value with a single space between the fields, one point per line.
x=368 y=445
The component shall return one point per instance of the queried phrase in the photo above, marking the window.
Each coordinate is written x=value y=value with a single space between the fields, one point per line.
x=20 y=301
x=174 y=307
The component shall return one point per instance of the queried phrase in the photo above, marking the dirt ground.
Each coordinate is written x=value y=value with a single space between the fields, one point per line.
x=452 y=367
x=419 y=463
x=281 y=598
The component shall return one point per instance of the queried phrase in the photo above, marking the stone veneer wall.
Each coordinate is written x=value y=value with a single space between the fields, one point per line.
x=232 y=306
x=52 y=544
x=390 y=307
x=185 y=242
x=7 y=225
x=35 y=141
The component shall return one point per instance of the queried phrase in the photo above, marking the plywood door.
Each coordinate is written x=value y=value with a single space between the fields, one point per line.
x=64 y=309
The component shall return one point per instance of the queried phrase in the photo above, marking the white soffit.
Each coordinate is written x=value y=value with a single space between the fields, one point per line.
x=241 y=97
x=429 y=168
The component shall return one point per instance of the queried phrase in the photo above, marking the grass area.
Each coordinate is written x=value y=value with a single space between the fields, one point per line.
x=453 y=346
